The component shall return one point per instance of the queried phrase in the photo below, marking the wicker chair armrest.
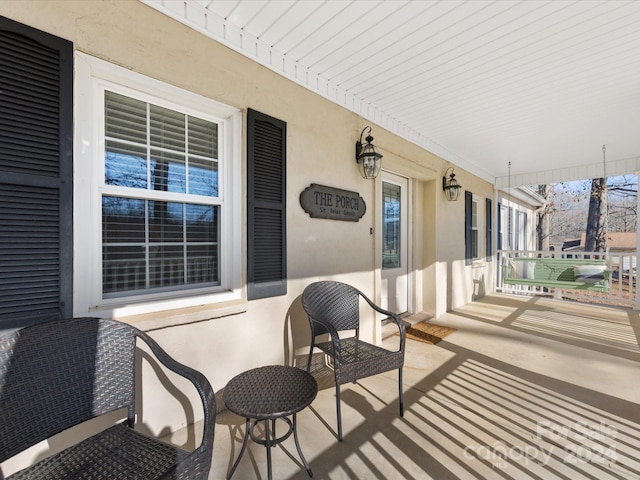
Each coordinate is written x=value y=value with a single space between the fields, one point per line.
x=335 y=337
x=394 y=316
x=199 y=381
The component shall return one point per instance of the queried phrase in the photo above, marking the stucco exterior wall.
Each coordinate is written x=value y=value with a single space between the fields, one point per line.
x=320 y=149
x=459 y=283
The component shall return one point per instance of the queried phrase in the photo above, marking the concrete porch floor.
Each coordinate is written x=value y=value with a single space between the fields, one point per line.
x=527 y=388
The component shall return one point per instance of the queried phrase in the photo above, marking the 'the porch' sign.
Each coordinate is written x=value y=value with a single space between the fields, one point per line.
x=320 y=201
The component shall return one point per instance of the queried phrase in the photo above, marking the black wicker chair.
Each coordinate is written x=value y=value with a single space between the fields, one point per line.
x=59 y=374
x=334 y=307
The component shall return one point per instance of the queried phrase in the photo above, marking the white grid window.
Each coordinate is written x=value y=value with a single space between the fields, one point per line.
x=153 y=156
x=157 y=194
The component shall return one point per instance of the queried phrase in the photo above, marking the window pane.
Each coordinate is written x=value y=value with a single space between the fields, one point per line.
x=167 y=128
x=474 y=214
x=125 y=118
x=203 y=177
x=122 y=220
x=123 y=268
x=125 y=165
x=474 y=240
x=165 y=221
x=168 y=172
x=202 y=223
x=391 y=226
x=202 y=265
x=166 y=266
x=174 y=259
x=203 y=138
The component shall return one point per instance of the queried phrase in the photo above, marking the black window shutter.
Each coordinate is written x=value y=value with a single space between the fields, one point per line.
x=489 y=232
x=468 y=226
x=36 y=188
x=266 y=206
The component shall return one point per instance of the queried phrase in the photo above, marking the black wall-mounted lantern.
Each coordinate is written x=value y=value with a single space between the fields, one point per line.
x=450 y=186
x=369 y=161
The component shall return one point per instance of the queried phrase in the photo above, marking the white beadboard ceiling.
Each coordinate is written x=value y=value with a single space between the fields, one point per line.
x=541 y=84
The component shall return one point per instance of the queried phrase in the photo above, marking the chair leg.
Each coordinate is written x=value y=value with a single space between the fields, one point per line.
x=338 y=412
x=400 y=395
x=309 y=358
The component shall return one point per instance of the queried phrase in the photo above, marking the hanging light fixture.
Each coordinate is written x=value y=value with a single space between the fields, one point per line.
x=369 y=161
x=450 y=186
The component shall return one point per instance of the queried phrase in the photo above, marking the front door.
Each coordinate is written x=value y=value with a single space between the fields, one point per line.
x=395 y=243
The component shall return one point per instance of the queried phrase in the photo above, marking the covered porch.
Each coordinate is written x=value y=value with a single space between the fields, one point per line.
x=527 y=387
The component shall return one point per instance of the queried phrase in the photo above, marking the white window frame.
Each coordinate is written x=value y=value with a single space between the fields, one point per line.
x=501 y=237
x=92 y=77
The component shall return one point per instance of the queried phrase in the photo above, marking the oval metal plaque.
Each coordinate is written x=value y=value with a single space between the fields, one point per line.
x=320 y=201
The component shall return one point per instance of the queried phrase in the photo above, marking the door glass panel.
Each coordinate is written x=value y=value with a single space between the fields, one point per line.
x=391 y=240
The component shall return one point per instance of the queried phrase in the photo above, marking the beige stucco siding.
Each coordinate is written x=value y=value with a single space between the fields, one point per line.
x=320 y=149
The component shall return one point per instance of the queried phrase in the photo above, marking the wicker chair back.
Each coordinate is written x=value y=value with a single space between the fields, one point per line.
x=56 y=375
x=331 y=303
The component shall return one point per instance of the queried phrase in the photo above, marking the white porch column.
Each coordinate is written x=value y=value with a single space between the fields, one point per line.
x=637 y=302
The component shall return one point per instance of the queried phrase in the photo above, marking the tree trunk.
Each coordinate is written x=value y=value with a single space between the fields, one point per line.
x=543 y=226
x=596 y=235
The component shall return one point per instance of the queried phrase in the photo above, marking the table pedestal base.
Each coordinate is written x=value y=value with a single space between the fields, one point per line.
x=269 y=441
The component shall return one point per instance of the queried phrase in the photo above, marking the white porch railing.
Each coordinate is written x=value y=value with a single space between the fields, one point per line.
x=622 y=286
x=124 y=275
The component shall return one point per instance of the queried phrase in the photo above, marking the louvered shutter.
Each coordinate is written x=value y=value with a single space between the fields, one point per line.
x=266 y=206
x=36 y=132
x=468 y=228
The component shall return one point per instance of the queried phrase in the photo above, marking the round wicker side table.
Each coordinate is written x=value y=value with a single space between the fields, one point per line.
x=267 y=394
